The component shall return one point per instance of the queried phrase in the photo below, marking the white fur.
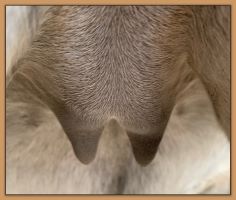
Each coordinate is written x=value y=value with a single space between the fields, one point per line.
x=193 y=157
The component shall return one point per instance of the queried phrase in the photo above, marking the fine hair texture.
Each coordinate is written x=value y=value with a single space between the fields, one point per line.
x=135 y=92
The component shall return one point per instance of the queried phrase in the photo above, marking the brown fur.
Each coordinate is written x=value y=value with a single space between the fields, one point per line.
x=94 y=64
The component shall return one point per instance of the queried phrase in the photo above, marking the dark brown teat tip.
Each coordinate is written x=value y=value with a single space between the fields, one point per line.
x=84 y=142
x=144 y=147
x=85 y=147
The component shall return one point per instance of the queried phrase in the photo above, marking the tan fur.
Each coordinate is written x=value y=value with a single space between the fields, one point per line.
x=121 y=67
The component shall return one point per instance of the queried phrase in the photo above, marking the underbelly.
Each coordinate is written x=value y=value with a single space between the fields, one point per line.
x=131 y=113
